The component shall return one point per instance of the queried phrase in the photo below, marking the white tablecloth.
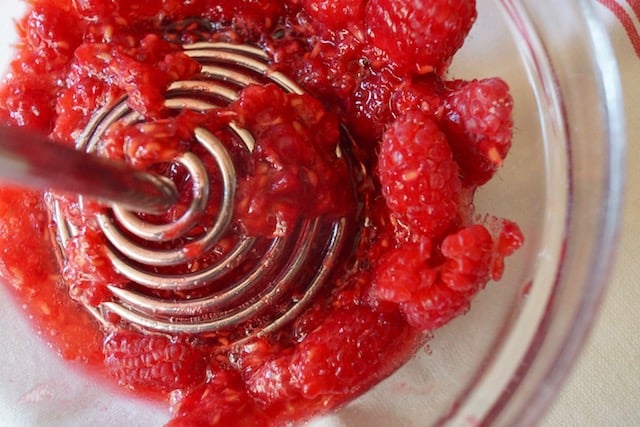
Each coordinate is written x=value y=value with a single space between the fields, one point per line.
x=604 y=387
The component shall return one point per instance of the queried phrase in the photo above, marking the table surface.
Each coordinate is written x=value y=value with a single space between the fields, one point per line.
x=604 y=387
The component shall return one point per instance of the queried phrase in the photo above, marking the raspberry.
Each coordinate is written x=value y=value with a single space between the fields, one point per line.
x=272 y=381
x=93 y=9
x=295 y=171
x=404 y=271
x=52 y=30
x=369 y=110
x=85 y=271
x=264 y=366
x=434 y=306
x=479 y=125
x=308 y=321
x=143 y=71
x=344 y=353
x=404 y=276
x=469 y=254
x=418 y=174
x=24 y=218
x=409 y=262
x=420 y=92
x=508 y=239
x=419 y=35
x=221 y=402
x=154 y=362
x=335 y=14
x=352 y=349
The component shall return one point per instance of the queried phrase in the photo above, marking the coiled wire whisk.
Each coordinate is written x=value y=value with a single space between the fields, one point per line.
x=302 y=260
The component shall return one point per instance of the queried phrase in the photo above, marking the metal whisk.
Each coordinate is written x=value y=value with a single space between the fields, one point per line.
x=301 y=261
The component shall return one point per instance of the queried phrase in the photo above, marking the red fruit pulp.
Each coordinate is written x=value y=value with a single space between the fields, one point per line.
x=418 y=259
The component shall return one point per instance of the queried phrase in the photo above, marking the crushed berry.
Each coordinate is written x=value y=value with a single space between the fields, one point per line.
x=221 y=401
x=423 y=144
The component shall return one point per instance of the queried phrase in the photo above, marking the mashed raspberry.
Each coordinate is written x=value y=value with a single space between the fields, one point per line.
x=426 y=144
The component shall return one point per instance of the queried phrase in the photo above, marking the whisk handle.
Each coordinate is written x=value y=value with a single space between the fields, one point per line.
x=31 y=160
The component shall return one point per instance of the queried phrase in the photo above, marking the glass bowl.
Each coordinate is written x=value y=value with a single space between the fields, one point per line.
x=503 y=362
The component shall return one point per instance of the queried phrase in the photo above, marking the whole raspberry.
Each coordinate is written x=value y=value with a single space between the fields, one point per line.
x=419 y=36
x=153 y=362
x=252 y=356
x=432 y=290
x=93 y=9
x=406 y=276
x=479 y=125
x=469 y=254
x=50 y=28
x=418 y=174
x=85 y=271
x=294 y=171
x=272 y=381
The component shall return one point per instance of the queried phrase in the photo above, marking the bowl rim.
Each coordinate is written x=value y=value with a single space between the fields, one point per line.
x=473 y=408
